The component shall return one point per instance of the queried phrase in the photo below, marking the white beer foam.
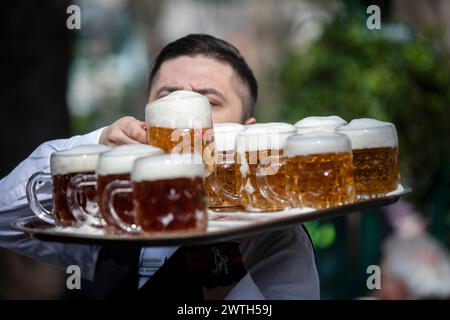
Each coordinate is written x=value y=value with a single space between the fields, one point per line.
x=179 y=110
x=317 y=143
x=82 y=158
x=264 y=136
x=120 y=159
x=279 y=127
x=225 y=135
x=370 y=133
x=319 y=124
x=168 y=166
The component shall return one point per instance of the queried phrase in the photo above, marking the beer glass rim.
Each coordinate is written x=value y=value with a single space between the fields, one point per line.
x=76 y=160
x=228 y=127
x=317 y=143
x=122 y=161
x=379 y=125
x=177 y=95
x=144 y=150
x=370 y=133
x=71 y=152
x=168 y=166
x=268 y=129
x=179 y=110
x=327 y=121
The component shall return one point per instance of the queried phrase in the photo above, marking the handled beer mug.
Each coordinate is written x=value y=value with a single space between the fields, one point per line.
x=64 y=165
x=318 y=172
x=375 y=156
x=167 y=192
x=253 y=145
x=221 y=184
x=115 y=164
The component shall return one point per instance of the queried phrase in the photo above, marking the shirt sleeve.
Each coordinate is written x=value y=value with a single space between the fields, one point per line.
x=280 y=265
x=12 y=206
x=12 y=187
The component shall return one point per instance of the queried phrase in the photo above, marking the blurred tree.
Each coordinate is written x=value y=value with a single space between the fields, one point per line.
x=390 y=75
x=425 y=14
x=356 y=73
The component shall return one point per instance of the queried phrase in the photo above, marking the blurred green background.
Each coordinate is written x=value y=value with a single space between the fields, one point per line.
x=400 y=76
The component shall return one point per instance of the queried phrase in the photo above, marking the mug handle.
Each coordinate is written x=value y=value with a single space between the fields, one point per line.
x=33 y=202
x=111 y=190
x=222 y=192
x=266 y=164
x=81 y=215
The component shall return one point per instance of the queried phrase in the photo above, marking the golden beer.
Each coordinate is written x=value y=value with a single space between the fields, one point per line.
x=116 y=165
x=375 y=157
x=167 y=192
x=69 y=201
x=320 y=180
x=257 y=145
x=221 y=187
x=377 y=171
x=180 y=140
x=247 y=185
x=181 y=122
x=319 y=170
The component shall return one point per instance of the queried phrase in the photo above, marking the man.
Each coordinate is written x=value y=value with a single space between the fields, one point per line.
x=278 y=265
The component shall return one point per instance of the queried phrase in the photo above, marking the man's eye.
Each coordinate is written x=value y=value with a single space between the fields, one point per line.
x=162 y=95
x=214 y=103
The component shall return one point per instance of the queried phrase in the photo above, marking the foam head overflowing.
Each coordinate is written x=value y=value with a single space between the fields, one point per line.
x=178 y=110
x=319 y=124
x=225 y=135
x=271 y=127
x=168 y=166
x=79 y=159
x=120 y=159
x=264 y=136
x=316 y=143
x=370 y=133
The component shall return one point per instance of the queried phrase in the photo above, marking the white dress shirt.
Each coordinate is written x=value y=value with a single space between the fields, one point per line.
x=280 y=265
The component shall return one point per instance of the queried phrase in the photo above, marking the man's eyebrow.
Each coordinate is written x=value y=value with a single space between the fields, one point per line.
x=167 y=88
x=209 y=90
x=203 y=91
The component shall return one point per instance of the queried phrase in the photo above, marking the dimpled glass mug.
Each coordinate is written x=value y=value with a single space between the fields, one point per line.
x=375 y=156
x=167 y=192
x=318 y=172
x=115 y=164
x=253 y=145
x=64 y=166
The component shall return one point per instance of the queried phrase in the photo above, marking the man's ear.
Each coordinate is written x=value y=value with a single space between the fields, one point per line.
x=250 y=121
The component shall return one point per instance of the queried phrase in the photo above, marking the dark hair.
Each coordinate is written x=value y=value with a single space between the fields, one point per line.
x=209 y=46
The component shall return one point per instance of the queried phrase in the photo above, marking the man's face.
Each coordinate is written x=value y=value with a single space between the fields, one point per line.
x=214 y=79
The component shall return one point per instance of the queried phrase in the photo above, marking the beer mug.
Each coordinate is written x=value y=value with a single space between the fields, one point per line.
x=64 y=165
x=375 y=156
x=223 y=179
x=318 y=172
x=115 y=164
x=253 y=145
x=167 y=192
x=319 y=124
x=180 y=122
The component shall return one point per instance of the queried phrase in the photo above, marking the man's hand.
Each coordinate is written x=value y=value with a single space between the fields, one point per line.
x=126 y=130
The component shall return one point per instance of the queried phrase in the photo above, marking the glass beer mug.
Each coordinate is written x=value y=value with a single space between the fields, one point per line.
x=318 y=172
x=115 y=164
x=64 y=166
x=167 y=192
